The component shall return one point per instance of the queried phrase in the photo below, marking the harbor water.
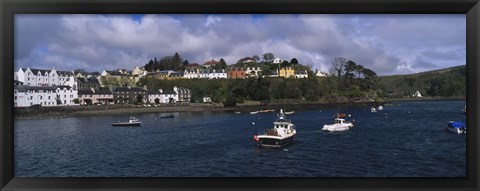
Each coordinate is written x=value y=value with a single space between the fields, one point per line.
x=407 y=139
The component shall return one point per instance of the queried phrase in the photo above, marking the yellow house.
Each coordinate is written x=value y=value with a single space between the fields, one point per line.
x=286 y=72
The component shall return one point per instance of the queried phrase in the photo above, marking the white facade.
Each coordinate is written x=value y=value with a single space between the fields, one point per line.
x=190 y=74
x=301 y=74
x=36 y=77
x=417 y=94
x=217 y=74
x=66 y=95
x=153 y=96
x=25 y=96
x=277 y=61
x=253 y=72
x=321 y=74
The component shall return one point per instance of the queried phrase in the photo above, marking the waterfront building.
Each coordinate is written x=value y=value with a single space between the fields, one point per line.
x=216 y=74
x=301 y=74
x=85 y=83
x=236 y=72
x=95 y=96
x=253 y=72
x=183 y=94
x=286 y=72
x=65 y=95
x=191 y=74
x=26 y=96
x=129 y=94
x=41 y=77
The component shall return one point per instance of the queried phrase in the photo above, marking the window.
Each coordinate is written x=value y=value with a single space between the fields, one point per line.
x=40 y=97
x=15 y=97
x=48 y=97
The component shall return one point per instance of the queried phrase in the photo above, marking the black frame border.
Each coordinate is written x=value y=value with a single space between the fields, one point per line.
x=8 y=8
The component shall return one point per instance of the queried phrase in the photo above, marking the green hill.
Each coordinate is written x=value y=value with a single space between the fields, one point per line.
x=449 y=82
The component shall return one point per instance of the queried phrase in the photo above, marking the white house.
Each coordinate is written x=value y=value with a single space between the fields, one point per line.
x=25 y=96
x=301 y=74
x=417 y=94
x=253 y=72
x=66 y=95
x=217 y=74
x=183 y=94
x=168 y=96
x=39 y=77
x=190 y=74
x=320 y=74
x=277 y=61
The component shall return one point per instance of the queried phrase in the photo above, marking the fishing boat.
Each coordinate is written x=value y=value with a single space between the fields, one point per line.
x=289 y=112
x=340 y=125
x=131 y=122
x=167 y=116
x=282 y=133
x=254 y=112
x=456 y=127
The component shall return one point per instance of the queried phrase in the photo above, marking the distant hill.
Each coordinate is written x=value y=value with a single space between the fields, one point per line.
x=448 y=82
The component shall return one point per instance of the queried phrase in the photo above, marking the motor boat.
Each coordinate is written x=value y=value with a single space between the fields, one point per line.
x=456 y=127
x=282 y=133
x=340 y=125
x=131 y=122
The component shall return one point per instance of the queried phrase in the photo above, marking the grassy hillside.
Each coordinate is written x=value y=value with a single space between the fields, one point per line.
x=449 y=82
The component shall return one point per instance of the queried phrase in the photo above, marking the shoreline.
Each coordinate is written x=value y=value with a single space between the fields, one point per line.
x=115 y=110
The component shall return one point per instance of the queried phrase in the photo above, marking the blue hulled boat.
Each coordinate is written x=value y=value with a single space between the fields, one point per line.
x=457 y=127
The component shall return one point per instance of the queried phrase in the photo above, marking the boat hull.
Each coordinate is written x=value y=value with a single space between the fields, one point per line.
x=268 y=141
x=456 y=130
x=126 y=124
x=336 y=127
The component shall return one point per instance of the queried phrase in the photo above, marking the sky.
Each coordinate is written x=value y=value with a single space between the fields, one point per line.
x=387 y=44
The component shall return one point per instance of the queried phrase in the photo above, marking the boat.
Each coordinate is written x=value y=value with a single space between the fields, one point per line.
x=282 y=133
x=289 y=112
x=340 y=125
x=131 y=122
x=167 y=116
x=237 y=112
x=266 y=110
x=373 y=110
x=380 y=108
x=254 y=112
x=456 y=127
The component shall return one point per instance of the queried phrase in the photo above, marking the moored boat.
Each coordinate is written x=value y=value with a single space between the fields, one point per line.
x=373 y=110
x=456 y=127
x=254 y=112
x=289 y=112
x=167 y=116
x=340 y=125
x=380 y=108
x=266 y=110
x=131 y=122
x=282 y=133
x=237 y=112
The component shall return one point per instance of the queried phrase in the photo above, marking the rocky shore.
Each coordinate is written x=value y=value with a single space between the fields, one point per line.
x=112 y=110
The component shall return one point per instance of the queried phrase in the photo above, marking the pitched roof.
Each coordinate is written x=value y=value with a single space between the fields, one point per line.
x=26 y=88
x=63 y=87
x=134 y=89
x=168 y=92
x=212 y=62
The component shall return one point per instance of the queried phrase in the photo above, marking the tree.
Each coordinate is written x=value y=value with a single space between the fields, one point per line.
x=284 y=65
x=268 y=57
x=294 y=62
x=338 y=65
x=256 y=57
x=222 y=63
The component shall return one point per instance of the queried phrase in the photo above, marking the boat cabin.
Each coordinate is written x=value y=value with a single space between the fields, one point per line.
x=339 y=121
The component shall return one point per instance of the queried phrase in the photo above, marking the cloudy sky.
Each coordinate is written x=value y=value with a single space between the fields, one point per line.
x=387 y=44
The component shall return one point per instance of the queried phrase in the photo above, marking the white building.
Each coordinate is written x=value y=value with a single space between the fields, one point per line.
x=277 y=61
x=39 y=77
x=253 y=72
x=66 y=95
x=301 y=74
x=217 y=74
x=417 y=94
x=191 y=74
x=320 y=74
x=25 y=96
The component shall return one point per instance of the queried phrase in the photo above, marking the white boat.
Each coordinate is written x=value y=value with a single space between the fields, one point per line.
x=380 y=108
x=254 y=112
x=237 y=112
x=282 y=133
x=340 y=125
x=289 y=112
x=131 y=122
x=373 y=110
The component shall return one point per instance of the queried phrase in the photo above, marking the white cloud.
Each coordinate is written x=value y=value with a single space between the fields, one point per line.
x=388 y=44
